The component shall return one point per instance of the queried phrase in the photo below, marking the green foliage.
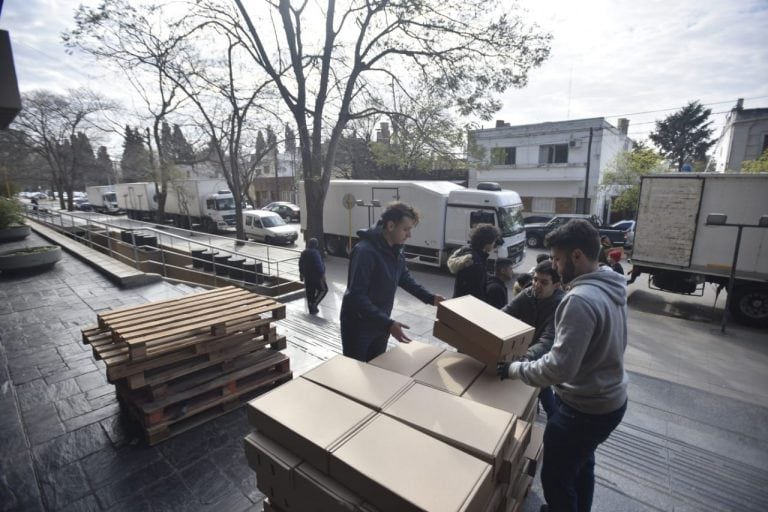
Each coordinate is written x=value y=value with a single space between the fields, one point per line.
x=684 y=135
x=135 y=164
x=623 y=175
x=11 y=212
x=755 y=166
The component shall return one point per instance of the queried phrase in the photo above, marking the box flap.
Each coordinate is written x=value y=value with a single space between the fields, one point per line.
x=407 y=358
x=396 y=467
x=470 y=426
x=370 y=385
x=451 y=372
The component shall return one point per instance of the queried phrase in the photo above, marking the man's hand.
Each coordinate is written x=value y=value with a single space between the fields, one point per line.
x=438 y=300
x=502 y=369
x=396 y=330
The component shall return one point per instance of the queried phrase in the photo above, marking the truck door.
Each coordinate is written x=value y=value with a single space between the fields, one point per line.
x=460 y=220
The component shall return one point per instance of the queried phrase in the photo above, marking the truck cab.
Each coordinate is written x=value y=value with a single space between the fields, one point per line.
x=220 y=209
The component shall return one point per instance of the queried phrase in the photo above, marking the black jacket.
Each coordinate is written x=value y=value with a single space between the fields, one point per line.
x=538 y=313
x=497 y=294
x=471 y=278
x=311 y=266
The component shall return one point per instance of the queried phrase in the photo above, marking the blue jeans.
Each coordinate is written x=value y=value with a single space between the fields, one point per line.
x=570 y=440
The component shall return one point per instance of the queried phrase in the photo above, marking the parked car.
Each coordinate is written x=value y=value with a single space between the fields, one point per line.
x=534 y=219
x=628 y=226
x=268 y=227
x=535 y=233
x=82 y=204
x=288 y=211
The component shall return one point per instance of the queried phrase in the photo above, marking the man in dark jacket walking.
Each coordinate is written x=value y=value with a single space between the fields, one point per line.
x=376 y=268
x=468 y=263
x=312 y=272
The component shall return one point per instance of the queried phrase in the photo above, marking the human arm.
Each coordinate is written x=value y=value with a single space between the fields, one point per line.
x=544 y=343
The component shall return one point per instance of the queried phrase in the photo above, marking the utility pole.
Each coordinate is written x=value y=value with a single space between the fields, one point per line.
x=584 y=208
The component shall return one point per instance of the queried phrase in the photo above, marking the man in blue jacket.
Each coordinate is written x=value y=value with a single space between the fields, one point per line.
x=376 y=268
x=312 y=272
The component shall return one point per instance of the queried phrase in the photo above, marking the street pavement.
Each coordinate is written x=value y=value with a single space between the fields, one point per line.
x=695 y=436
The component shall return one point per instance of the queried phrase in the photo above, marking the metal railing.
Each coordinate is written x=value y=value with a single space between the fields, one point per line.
x=276 y=268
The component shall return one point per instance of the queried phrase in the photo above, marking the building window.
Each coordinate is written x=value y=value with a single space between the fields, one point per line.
x=503 y=156
x=543 y=205
x=553 y=154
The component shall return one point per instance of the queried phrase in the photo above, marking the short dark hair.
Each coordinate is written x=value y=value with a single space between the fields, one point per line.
x=398 y=211
x=542 y=257
x=482 y=235
x=576 y=234
x=502 y=262
x=545 y=267
x=524 y=279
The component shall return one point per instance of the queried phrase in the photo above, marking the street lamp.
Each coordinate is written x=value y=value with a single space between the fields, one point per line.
x=721 y=219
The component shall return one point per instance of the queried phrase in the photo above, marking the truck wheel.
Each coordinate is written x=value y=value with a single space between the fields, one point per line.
x=532 y=242
x=749 y=305
x=335 y=246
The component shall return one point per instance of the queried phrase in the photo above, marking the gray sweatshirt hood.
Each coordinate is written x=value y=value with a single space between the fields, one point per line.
x=608 y=280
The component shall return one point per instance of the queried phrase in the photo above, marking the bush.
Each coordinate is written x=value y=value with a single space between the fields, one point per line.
x=11 y=212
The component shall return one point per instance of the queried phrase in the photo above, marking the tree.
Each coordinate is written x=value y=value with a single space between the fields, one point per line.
x=623 y=176
x=183 y=152
x=290 y=139
x=53 y=125
x=466 y=50
x=755 y=166
x=85 y=171
x=684 y=136
x=104 y=166
x=134 y=164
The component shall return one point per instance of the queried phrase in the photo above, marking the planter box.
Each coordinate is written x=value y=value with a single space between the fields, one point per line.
x=14 y=233
x=19 y=260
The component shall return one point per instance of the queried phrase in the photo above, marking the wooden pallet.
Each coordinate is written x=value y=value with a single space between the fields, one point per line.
x=152 y=329
x=120 y=366
x=204 y=389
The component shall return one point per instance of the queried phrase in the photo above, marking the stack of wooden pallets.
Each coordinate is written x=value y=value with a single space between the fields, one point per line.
x=181 y=362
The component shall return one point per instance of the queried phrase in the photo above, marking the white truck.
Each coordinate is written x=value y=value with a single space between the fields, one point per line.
x=680 y=252
x=139 y=200
x=103 y=199
x=205 y=203
x=447 y=214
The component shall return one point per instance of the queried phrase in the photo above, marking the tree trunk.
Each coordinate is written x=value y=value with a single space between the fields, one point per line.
x=315 y=199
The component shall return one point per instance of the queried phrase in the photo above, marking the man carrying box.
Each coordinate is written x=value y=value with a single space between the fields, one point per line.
x=536 y=306
x=376 y=268
x=585 y=366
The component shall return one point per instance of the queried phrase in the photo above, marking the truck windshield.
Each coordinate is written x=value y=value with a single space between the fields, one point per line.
x=226 y=203
x=271 y=222
x=510 y=220
x=110 y=197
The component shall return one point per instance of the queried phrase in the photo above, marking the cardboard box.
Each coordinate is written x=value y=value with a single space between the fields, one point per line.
x=511 y=395
x=451 y=372
x=465 y=344
x=490 y=330
x=535 y=449
x=274 y=466
x=396 y=467
x=318 y=492
x=371 y=386
x=511 y=464
x=407 y=358
x=477 y=429
x=308 y=418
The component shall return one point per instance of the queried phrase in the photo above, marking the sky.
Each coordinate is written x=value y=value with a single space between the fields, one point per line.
x=609 y=58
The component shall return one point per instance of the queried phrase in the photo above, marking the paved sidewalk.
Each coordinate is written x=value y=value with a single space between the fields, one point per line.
x=65 y=445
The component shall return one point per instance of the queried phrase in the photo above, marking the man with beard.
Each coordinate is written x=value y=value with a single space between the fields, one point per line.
x=536 y=306
x=585 y=366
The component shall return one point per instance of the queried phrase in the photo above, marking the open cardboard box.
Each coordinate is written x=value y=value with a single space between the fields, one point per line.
x=488 y=331
x=309 y=419
x=369 y=385
x=407 y=358
x=396 y=467
x=477 y=429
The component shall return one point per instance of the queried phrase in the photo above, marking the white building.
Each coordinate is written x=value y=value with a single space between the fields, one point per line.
x=549 y=164
x=744 y=137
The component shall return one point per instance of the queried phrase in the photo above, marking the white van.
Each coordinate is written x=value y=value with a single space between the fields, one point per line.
x=268 y=227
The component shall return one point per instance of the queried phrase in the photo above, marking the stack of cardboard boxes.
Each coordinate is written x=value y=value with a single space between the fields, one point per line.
x=180 y=362
x=419 y=428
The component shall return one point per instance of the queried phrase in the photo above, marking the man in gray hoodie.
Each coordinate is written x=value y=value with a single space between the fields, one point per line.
x=585 y=367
